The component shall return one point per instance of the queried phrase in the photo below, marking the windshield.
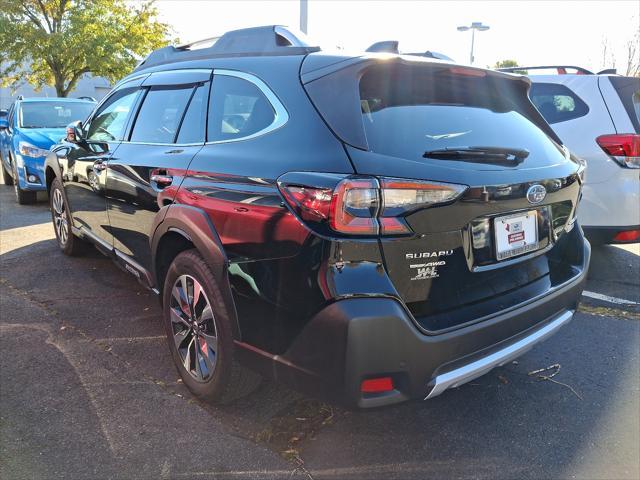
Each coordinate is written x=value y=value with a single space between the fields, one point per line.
x=52 y=114
x=408 y=112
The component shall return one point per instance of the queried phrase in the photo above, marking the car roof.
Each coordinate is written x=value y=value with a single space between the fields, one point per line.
x=275 y=42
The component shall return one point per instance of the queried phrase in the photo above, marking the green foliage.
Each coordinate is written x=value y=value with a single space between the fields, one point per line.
x=508 y=64
x=55 y=42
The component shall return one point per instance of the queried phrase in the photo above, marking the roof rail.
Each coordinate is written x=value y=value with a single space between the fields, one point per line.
x=392 y=46
x=561 y=69
x=267 y=40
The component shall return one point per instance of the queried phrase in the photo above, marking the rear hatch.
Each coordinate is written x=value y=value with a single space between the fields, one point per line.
x=497 y=243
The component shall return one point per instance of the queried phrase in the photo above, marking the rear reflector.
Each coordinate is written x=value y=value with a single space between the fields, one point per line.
x=377 y=385
x=627 y=236
x=624 y=148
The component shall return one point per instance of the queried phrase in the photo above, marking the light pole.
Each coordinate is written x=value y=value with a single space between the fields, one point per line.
x=473 y=27
x=304 y=15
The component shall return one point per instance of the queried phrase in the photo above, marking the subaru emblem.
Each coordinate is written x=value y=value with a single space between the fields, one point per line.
x=536 y=193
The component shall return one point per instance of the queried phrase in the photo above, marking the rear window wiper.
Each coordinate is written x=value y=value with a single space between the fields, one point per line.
x=479 y=154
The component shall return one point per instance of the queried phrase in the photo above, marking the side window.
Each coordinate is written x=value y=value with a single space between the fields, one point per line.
x=556 y=102
x=192 y=129
x=108 y=124
x=237 y=109
x=160 y=115
x=628 y=89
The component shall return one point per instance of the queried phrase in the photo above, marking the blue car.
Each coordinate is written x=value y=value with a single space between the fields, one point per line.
x=26 y=134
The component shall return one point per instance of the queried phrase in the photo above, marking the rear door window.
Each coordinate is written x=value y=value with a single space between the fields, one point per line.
x=556 y=102
x=192 y=129
x=237 y=109
x=160 y=115
x=628 y=89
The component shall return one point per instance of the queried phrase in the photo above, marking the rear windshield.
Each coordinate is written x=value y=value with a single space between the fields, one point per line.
x=53 y=114
x=407 y=111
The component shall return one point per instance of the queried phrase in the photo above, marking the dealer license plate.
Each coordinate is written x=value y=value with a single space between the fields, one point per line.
x=516 y=234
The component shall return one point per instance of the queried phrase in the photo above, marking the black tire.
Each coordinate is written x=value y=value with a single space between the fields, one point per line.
x=61 y=218
x=226 y=380
x=7 y=179
x=23 y=197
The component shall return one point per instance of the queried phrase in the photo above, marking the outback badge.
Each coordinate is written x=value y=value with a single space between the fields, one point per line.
x=536 y=193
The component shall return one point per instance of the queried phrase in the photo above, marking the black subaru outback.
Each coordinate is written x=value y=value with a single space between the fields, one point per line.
x=368 y=228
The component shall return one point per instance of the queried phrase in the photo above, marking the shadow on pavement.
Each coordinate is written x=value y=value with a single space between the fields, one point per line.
x=503 y=425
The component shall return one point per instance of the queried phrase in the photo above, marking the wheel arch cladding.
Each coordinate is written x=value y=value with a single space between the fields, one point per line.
x=183 y=227
x=50 y=175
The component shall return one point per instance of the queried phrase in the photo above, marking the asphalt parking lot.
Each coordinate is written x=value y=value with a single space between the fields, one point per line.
x=88 y=390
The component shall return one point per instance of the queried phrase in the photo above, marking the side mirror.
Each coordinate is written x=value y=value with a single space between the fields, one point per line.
x=4 y=123
x=75 y=133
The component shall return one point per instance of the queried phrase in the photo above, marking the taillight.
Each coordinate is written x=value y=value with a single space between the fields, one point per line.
x=354 y=207
x=624 y=148
x=400 y=197
x=362 y=205
x=311 y=203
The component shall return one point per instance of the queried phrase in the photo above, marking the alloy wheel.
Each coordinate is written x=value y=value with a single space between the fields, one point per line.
x=193 y=328
x=60 y=217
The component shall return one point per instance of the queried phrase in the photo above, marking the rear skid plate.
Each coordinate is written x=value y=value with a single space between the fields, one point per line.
x=477 y=368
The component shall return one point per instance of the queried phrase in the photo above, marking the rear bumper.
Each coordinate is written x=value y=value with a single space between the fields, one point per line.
x=356 y=339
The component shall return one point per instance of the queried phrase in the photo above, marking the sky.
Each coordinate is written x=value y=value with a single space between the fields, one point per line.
x=531 y=32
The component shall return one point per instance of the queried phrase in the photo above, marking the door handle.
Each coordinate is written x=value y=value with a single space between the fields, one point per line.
x=162 y=180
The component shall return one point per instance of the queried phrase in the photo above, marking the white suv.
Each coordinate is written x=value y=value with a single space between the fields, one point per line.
x=597 y=116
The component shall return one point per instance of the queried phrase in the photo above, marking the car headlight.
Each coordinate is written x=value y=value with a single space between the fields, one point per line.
x=29 y=150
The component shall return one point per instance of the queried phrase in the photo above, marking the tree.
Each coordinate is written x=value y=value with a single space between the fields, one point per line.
x=633 y=57
x=509 y=64
x=56 y=42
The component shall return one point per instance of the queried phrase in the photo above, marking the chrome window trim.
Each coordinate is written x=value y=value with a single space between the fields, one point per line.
x=281 y=114
x=199 y=144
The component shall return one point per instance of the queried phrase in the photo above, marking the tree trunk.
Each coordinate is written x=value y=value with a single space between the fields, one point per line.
x=59 y=84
